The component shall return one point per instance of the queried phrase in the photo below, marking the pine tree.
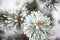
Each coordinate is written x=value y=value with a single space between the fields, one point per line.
x=34 y=21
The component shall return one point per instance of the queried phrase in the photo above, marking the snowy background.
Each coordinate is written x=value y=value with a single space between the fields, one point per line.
x=11 y=5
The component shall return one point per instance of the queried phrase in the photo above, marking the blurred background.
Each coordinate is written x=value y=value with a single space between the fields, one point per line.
x=12 y=5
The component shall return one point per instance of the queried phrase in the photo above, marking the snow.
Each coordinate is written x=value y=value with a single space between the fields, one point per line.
x=11 y=4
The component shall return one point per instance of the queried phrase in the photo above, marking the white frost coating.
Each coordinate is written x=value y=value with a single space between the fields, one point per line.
x=34 y=24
